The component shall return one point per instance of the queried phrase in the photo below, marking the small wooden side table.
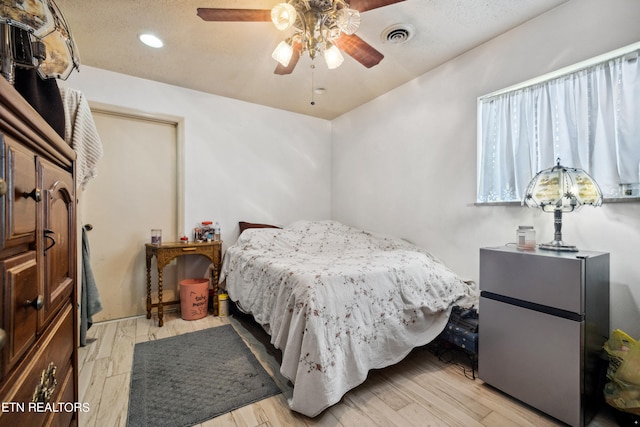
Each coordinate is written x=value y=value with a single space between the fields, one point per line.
x=166 y=252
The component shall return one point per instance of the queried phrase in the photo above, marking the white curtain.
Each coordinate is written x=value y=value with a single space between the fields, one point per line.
x=589 y=119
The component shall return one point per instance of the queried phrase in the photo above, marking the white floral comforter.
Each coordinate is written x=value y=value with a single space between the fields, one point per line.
x=338 y=302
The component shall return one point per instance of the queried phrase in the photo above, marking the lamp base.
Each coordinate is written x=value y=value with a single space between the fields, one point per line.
x=558 y=245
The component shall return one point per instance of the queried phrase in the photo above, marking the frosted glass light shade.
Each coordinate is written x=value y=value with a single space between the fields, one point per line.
x=348 y=20
x=283 y=53
x=333 y=57
x=562 y=188
x=283 y=16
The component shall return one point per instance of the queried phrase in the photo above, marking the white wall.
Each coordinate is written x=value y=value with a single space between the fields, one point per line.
x=242 y=161
x=405 y=163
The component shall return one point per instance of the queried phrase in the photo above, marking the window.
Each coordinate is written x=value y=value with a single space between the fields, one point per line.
x=588 y=116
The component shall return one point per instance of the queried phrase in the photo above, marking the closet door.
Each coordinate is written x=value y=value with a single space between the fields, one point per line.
x=55 y=240
x=136 y=189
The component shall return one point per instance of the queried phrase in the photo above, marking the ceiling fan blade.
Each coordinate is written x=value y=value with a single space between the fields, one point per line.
x=364 y=5
x=359 y=50
x=281 y=69
x=246 y=15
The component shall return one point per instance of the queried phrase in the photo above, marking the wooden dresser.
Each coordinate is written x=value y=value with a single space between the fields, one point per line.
x=38 y=321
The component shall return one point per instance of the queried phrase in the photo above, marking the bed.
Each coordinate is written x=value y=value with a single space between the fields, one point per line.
x=338 y=302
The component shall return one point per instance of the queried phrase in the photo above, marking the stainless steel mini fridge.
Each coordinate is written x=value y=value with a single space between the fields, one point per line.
x=544 y=316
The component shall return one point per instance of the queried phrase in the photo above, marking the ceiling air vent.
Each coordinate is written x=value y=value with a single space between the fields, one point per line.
x=397 y=34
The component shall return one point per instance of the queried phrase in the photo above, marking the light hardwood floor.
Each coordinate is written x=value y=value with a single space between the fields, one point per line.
x=419 y=391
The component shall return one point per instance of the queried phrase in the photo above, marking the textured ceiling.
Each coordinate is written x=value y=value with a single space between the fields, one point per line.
x=233 y=59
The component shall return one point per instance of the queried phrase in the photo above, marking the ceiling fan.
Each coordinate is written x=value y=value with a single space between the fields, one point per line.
x=324 y=27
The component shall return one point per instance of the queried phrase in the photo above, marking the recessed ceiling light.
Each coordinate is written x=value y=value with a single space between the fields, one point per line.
x=151 y=40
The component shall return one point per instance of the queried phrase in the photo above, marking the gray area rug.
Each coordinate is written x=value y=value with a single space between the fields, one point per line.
x=190 y=378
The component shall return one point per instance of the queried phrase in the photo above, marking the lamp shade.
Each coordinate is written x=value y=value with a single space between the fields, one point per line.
x=62 y=52
x=46 y=24
x=561 y=189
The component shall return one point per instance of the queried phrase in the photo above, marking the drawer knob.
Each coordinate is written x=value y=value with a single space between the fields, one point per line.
x=3 y=338
x=3 y=187
x=36 y=194
x=37 y=303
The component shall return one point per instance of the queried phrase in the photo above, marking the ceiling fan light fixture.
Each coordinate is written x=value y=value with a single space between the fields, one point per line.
x=348 y=20
x=315 y=26
x=333 y=57
x=283 y=53
x=283 y=16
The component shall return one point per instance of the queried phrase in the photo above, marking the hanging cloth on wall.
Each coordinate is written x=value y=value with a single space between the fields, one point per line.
x=81 y=134
x=90 y=302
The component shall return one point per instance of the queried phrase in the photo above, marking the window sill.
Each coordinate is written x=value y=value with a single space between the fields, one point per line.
x=518 y=203
x=498 y=203
x=622 y=200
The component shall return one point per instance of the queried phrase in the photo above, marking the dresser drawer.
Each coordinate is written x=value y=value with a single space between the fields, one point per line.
x=21 y=302
x=41 y=387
